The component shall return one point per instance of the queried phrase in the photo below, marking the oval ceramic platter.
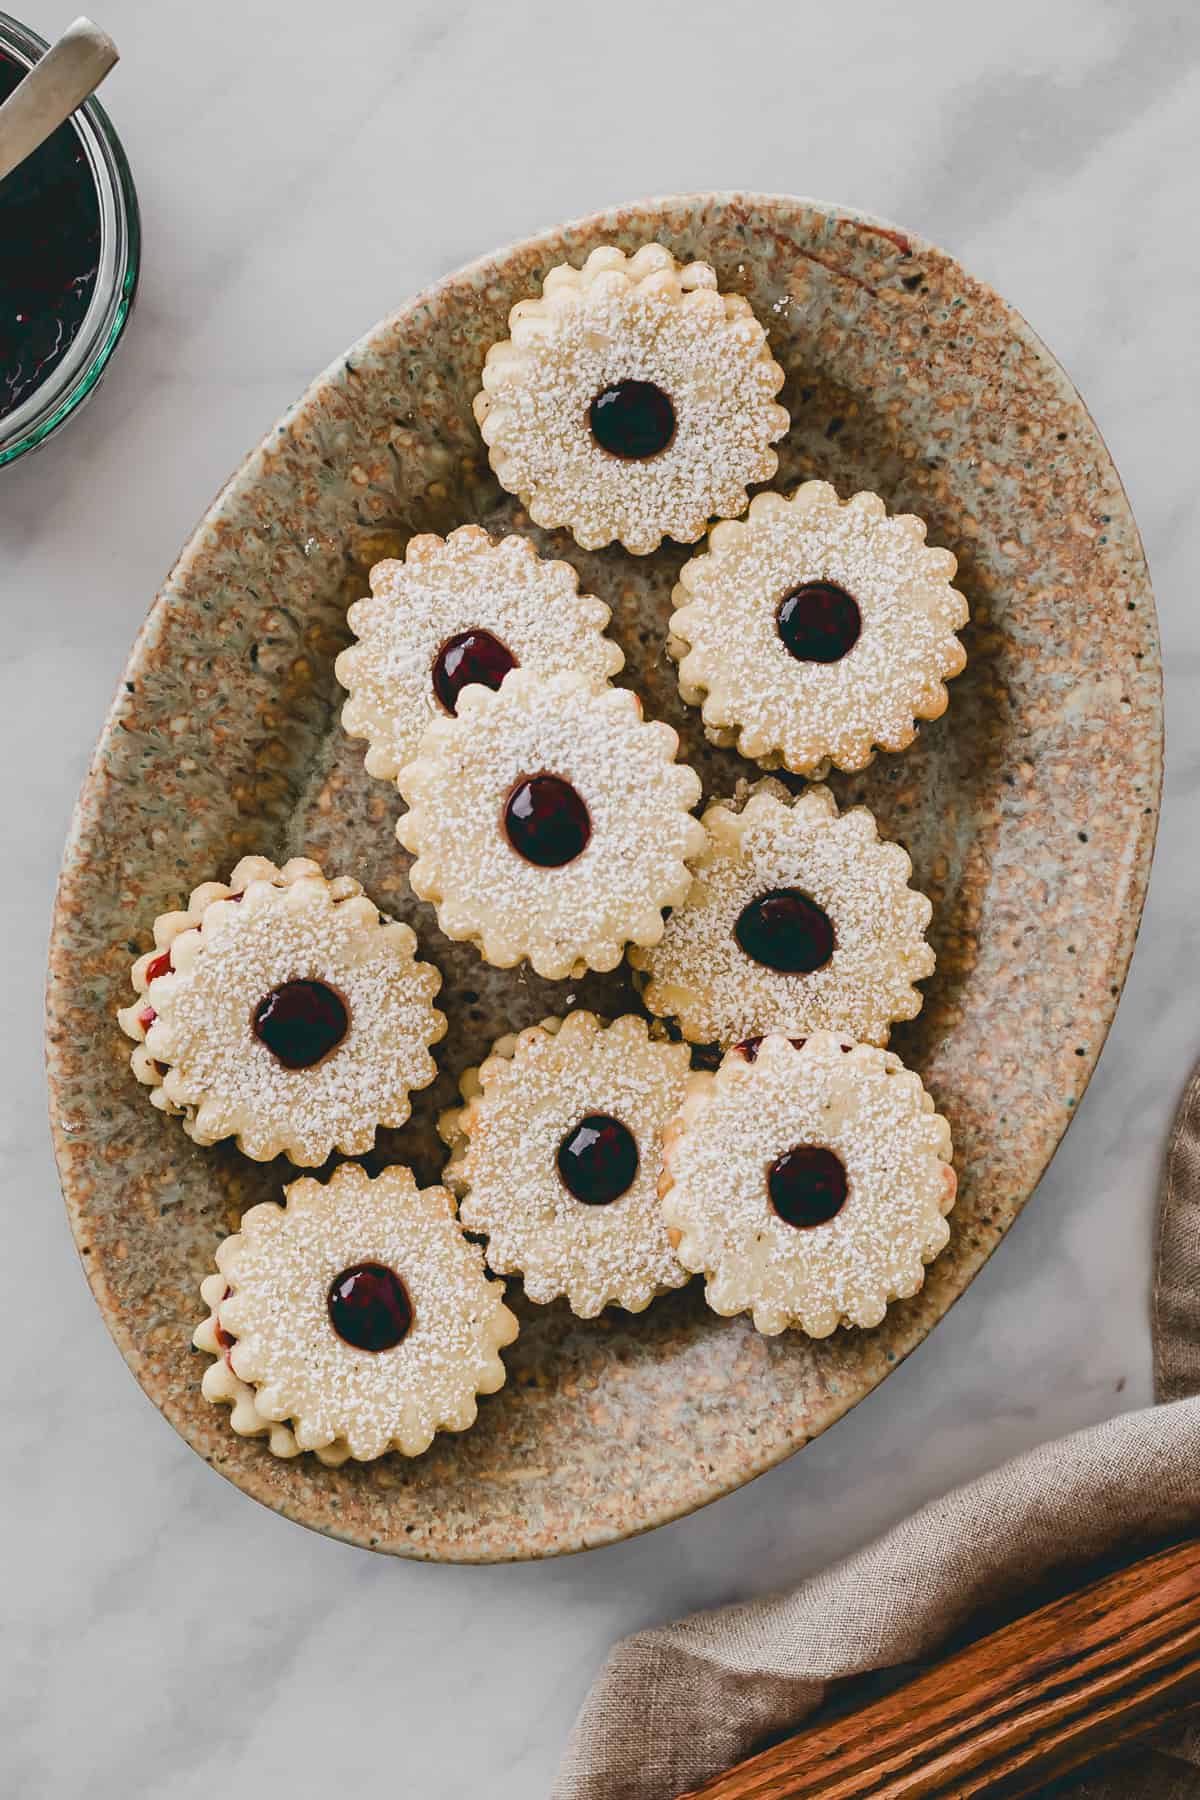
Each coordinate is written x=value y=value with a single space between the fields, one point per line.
x=1029 y=810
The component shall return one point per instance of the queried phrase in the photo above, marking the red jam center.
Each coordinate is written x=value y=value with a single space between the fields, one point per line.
x=819 y=622
x=547 y=821
x=369 y=1307
x=160 y=966
x=301 y=1022
x=633 y=419
x=807 y=1185
x=786 y=931
x=598 y=1159
x=49 y=255
x=473 y=657
x=749 y=1047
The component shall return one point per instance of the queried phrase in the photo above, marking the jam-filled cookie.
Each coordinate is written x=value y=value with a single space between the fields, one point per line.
x=799 y=919
x=632 y=401
x=354 y=1320
x=808 y=1181
x=549 y=820
x=815 y=631
x=557 y=1156
x=282 y=1010
x=458 y=610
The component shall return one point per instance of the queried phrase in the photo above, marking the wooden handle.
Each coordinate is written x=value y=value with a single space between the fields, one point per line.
x=1082 y=1677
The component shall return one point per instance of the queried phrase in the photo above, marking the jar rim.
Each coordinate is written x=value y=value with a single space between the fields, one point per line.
x=73 y=379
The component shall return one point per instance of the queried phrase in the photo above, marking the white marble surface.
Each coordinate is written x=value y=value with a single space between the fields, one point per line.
x=301 y=170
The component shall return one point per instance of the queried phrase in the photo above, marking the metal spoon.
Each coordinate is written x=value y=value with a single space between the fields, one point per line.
x=70 y=70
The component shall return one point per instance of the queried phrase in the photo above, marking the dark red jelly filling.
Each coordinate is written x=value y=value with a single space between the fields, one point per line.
x=146 y=1017
x=223 y=1337
x=473 y=657
x=49 y=255
x=160 y=966
x=807 y=1185
x=786 y=931
x=598 y=1159
x=547 y=821
x=819 y=622
x=749 y=1047
x=369 y=1307
x=633 y=419
x=301 y=1022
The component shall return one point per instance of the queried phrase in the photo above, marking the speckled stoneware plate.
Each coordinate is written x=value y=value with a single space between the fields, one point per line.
x=1029 y=810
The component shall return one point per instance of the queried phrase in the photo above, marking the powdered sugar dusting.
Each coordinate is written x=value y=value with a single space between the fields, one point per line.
x=467 y=581
x=700 y=973
x=734 y=662
x=876 y=1117
x=228 y=1083
x=280 y=1266
x=583 y=913
x=531 y=1092
x=645 y=319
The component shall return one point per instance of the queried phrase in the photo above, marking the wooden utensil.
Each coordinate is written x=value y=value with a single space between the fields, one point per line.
x=1086 y=1676
x=71 y=69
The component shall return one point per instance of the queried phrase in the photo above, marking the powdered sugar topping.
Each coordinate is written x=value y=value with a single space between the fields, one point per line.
x=467 y=581
x=580 y=914
x=228 y=956
x=527 y=1097
x=699 y=971
x=279 y=1268
x=734 y=662
x=875 y=1116
x=647 y=319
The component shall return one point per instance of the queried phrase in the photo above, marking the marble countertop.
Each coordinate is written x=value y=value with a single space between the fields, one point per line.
x=300 y=173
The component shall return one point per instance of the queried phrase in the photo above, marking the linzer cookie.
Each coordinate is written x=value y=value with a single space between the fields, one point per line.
x=282 y=1010
x=808 y=1182
x=354 y=1320
x=815 y=631
x=556 y=1157
x=632 y=401
x=550 y=821
x=798 y=919
x=458 y=610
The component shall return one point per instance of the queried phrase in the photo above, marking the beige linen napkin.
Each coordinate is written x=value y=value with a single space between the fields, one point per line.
x=675 y=1705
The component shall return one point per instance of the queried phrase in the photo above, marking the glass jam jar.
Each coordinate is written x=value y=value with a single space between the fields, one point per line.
x=69 y=252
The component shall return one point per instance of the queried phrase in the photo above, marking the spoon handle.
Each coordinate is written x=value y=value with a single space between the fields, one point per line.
x=70 y=70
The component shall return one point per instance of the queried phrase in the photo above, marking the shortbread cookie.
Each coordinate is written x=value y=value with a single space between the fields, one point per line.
x=808 y=1181
x=549 y=820
x=557 y=1156
x=799 y=919
x=463 y=609
x=354 y=1320
x=284 y=1011
x=813 y=631
x=633 y=401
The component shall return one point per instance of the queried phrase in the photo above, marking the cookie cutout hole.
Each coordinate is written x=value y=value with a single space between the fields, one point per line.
x=472 y=658
x=369 y=1307
x=787 y=931
x=598 y=1159
x=818 y=622
x=300 y=1022
x=634 y=420
x=547 y=821
x=807 y=1185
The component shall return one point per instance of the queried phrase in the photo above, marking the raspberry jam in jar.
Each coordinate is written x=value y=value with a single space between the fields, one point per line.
x=68 y=262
